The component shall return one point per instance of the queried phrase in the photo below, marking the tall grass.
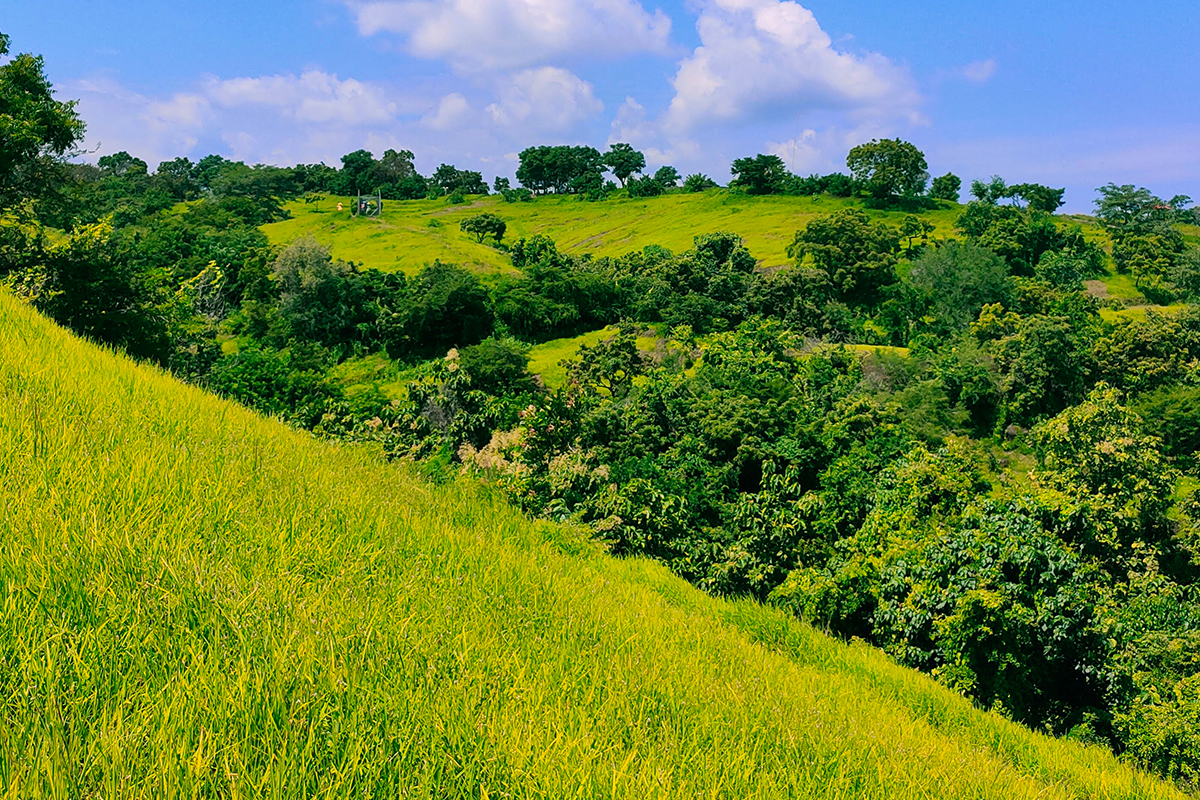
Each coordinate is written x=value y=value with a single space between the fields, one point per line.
x=198 y=602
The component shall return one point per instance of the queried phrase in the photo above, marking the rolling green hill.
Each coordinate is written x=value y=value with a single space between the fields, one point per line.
x=413 y=233
x=200 y=602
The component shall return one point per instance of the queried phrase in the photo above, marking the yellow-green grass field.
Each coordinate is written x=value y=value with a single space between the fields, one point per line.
x=413 y=233
x=201 y=602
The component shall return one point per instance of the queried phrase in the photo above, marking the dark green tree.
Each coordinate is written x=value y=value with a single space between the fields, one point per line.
x=856 y=255
x=946 y=187
x=698 y=182
x=761 y=174
x=36 y=131
x=667 y=177
x=957 y=280
x=622 y=161
x=889 y=168
x=486 y=224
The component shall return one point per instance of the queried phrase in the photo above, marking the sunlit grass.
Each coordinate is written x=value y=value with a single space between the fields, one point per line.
x=199 y=602
x=411 y=234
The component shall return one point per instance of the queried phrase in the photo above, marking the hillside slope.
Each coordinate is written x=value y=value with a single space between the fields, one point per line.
x=413 y=233
x=201 y=602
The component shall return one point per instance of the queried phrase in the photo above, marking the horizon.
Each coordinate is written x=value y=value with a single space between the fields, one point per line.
x=1031 y=93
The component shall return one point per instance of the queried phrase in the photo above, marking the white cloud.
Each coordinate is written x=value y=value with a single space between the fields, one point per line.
x=631 y=125
x=762 y=58
x=980 y=71
x=495 y=34
x=121 y=119
x=314 y=96
x=452 y=111
x=543 y=100
x=821 y=151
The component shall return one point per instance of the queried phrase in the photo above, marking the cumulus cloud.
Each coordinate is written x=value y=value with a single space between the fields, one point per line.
x=772 y=58
x=824 y=150
x=979 y=71
x=314 y=96
x=452 y=111
x=500 y=34
x=273 y=118
x=543 y=100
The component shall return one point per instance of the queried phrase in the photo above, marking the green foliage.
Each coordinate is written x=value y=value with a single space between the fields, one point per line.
x=667 y=177
x=1020 y=236
x=857 y=256
x=558 y=168
x=957 y=280
x=497 y=366
x=1097 y=456
x=622 y=160
x=698 y=182
x=761 y=174
x=946 y=187
x=326 y=301
x=446 y=307
x=36 y=131
x=485 y=224
x=889 y=168
x=647 y=186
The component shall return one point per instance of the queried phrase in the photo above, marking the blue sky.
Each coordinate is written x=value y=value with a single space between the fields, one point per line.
x=1053 y=92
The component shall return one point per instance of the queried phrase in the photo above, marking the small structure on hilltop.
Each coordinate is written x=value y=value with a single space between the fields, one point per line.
x=368 y=205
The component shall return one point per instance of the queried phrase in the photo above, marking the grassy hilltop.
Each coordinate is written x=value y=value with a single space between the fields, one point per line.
x=202 y=602
x=413 y=233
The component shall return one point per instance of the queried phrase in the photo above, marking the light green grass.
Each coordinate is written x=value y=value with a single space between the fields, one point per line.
x=545 y=360
x=1137 y=313
x=414 y=233
x=199 y=602
x=1122 y=287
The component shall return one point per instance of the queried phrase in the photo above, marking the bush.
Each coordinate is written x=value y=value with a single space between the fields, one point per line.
x=497 y=366
x=698 y=182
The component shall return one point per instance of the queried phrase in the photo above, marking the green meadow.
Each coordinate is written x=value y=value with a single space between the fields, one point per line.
x=414 y=233
x=202 y=602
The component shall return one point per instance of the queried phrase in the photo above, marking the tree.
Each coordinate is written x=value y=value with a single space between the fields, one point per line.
x=914 y=227
x=667 y=177
x=947 y=187
x=760 y=175
x=356 y=173
x=558 y=168
x=622 y=161
x=497 y=366
x=1132 y=211
x=990 y=191
x=958 y=280
x=644 y=187
x=1038 y=197
x=447 y=307
x=314 y=199
x=501 y=185
x=698 y=182
x=177 y=178
x=320 y=300
x=395 y=167
x=36 y=131
x=486 y=224
x=889 y=168
x=856 y=255
x=121 y=165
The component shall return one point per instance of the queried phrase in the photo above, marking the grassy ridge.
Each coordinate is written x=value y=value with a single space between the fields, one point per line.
x=413 y=233
x=201 y=602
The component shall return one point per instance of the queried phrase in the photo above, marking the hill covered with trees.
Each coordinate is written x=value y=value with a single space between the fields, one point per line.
x=964 y=434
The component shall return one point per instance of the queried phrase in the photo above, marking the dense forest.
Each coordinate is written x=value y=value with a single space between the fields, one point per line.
x=961 y=449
